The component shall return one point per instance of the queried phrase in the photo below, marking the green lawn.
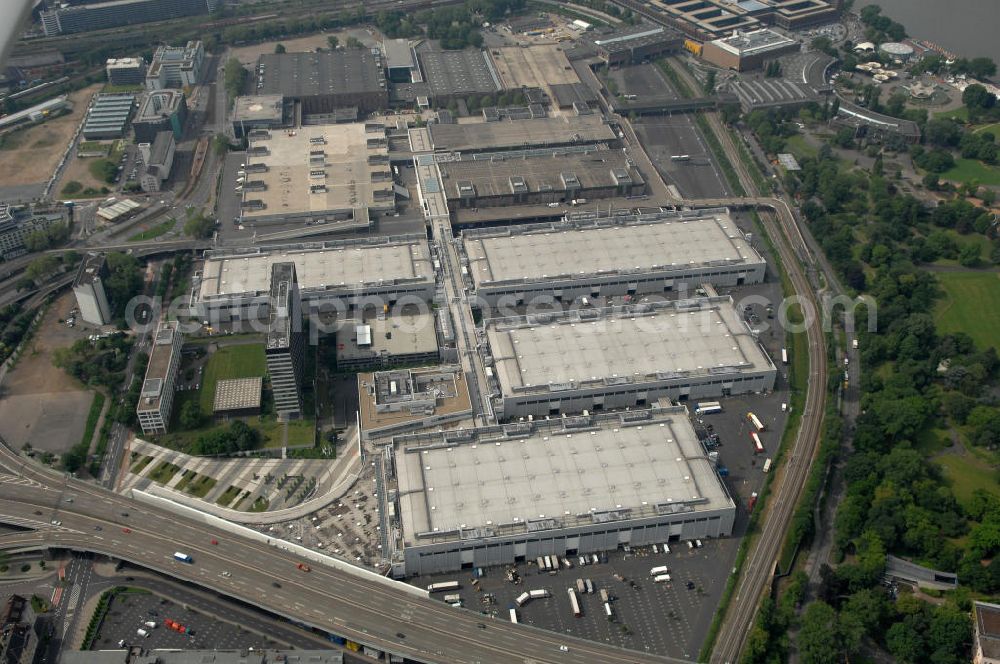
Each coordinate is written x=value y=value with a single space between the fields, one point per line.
x=966 y=474
x=243 y=361
x=985 y=246
x=141 y=464
x=202 y=486
x=154 y=232
x=228 y=496
x=992 y=128
x=969 y=170
x=971 y=304
x=163 y=473
x=961 y=113
x=799 y=147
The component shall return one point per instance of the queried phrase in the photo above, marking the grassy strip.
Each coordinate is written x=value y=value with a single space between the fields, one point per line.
x=154 y=232
x=228 y=496
x=164 y=473
x=680 y=85
x=798 y=379
x=201 y=488
x=186 y=479
x=260 y=504
x=95 y=414
x=141 y=464
x=759 y=180
x=720 y=155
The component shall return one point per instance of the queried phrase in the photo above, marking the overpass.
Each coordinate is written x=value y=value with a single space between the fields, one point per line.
x=358 y=605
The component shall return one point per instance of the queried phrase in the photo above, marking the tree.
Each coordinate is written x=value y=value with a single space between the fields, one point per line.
x=190 y=415
x=818 y=640
x=220 y=144
x=353 y=42
x=280 y=48
x=709 y=85
x=333 y=42
x=199 y=226
x=124 y=280
x=234 y=77
x=977 y=99
x=968 y=255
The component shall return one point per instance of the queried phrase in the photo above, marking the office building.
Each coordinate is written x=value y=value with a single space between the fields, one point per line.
x=161 y=110
x=283 y=350
x=986 y=630
x=603 y=359
x=88 y=287
x=705 y=20
x=126 y=71
x=67 y=18
x=743 y=51
x=405 y=338
x=504 y=495
x=588 y=256
x=323 y=82
x=398 y=400
x=108 y=116
x=176 y=66
x=157 y=396
x=16 y=228
x=159 y=159
x=235 y=284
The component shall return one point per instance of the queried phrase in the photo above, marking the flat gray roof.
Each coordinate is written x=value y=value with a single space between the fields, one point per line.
x=541 y=252
x=684 y=338
x=745 y=44
x=237 y=394
x=398 y=53
x=258 y=107
x=158 y=369
x=344 y=266
x=507 y=134
x=402 y=334
x=492 y=177
x=553 y=476
x=458 y=72
x=344 y=71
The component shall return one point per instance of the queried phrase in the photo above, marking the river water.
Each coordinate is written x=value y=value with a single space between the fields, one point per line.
x=968 y=28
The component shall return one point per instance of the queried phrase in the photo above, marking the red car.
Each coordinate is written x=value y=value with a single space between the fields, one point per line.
x=215 y=541
x=126 y=530
x=304 y=567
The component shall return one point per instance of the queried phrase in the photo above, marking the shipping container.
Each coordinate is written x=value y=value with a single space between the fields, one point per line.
x=574 y=602
x=539 y=593
x=581 y=586
x=590 y=586
x=522 y=599
x=605 y=597
x=767 y=465
x=755 y=421
x=443 y=586
x=758 y=447
x=607 y=611
x=708 y=407
x=513 y=616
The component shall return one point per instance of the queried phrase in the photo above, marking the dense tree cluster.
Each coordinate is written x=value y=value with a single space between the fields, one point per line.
x=99 y=363
x=239 y=437
x=879 y=27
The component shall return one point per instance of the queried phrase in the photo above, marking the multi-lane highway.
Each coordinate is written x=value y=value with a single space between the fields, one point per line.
x=80 y=516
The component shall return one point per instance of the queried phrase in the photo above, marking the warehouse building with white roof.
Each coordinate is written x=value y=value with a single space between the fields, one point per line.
x=507 y=494
x=586 y=255
x=603 y=359
x=235 y=283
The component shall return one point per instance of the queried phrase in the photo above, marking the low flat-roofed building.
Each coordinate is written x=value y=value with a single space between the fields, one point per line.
x=257 y=112
x=504 y=494
x=705 y=20
x=176 y=66
x=236 y=283
x=399 y=400
x=157 y=396
x=384 y=341
x=589 y=256
x=108 y=116
x=748 y=50
x=986 y=627
x=521 y=134
x=400 y=61
x=317 y=174
x=602 y=359
x=637 y=43
x=455 y=74
x=323 y=82
x=541 y=176
x=237 y=396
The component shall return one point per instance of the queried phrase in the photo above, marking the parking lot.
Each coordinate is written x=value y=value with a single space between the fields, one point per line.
x=666 y=136
x=663 y=618
x=128 y=612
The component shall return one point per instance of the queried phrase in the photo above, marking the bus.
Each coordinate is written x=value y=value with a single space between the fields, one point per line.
x=680 y=157
x=443 y=586
x=708 y=407
x=755 y=421
x=767 y=465
x=758 y=447
x=656 y=571
x=183 y=557
x=513 y=616
x=574 y=602
x=522 y=599
x=784 y=356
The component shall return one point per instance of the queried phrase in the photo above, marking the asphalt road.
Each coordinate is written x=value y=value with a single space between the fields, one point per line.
x=266 y=575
